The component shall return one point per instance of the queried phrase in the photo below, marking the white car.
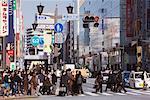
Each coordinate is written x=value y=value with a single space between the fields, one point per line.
x=136 y=79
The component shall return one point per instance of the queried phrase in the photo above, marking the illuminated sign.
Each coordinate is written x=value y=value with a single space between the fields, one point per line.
x=3 y=18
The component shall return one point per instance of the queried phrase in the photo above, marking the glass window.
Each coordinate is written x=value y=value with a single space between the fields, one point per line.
x=131 y=75
x=138 y=75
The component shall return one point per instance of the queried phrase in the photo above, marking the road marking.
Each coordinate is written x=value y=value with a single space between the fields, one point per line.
x=141 y=92
x=91 y=94
x=91 y=89
x=81 y=95
x=120 y=94
x=107 y=94
x=131 y=93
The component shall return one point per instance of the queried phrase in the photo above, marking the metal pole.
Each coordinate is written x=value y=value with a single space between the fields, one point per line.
x=4 y=52
x=15 y=49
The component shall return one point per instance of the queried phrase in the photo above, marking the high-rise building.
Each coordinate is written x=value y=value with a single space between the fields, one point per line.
x=135 y=21
x=106 y=36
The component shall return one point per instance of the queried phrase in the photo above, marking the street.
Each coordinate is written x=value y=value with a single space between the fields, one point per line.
x=132 y=94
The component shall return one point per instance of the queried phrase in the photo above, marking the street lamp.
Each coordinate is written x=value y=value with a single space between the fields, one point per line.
x=70 y=10
x=34 y=25
x=40 y=9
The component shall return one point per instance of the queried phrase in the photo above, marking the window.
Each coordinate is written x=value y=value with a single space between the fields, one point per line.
x=102 y=10
x=103 y=43
x=131 y=76
x=102 y=0
x=89 y=2
x=138 y=75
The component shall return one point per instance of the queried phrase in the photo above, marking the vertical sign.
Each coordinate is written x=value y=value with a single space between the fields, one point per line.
x=128 y=18
x=4 y=18
x=14 y=15
x=10 y=37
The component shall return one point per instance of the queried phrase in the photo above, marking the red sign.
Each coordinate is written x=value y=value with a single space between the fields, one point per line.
x=4 y=18
x=10 y=52
x=129 y=16
x=96 y=19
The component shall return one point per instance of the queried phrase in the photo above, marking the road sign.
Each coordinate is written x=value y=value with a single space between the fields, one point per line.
x=59 y=38
x=12 y=66
x=41 y=40
x=35 y=40
x=58 y=27
x=70 y=17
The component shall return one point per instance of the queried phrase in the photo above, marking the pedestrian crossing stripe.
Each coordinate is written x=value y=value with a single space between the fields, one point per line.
x=91 y=94
x=120 y=93
x=107 y=94
x=131 y=93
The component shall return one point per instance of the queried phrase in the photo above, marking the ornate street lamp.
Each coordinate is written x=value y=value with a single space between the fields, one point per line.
x=34 y=25
x=40 y=9
x=70 y=10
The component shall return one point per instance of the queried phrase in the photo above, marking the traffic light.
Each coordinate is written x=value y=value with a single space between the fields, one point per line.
x=90 y=19
x=139 y=54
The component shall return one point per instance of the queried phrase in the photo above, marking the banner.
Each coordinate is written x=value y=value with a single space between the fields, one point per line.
x=10 y=37
x=4 y=18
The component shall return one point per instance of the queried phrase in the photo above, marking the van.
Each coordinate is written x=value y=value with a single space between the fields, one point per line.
x=136 y=79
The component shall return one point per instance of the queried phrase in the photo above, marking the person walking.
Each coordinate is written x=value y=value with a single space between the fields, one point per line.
x=79 y=80
x=119 y=84
x=34 y=84
x=109 y=82
x=98 y=81
x=54 y=82
x=46 y=85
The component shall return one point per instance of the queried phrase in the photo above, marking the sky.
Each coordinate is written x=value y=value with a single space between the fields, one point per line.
x=29 y=8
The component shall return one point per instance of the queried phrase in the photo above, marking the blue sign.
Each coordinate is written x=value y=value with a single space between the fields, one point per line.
x=35 y=40
x=41 y=40
x=58 y=28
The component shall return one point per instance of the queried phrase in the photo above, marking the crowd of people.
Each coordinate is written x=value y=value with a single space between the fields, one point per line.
x=40 y=82
x=114 y=82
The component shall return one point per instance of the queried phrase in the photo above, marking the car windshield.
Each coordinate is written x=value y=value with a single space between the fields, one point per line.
x=148 y=75
x=105 y=74
x=139 y=75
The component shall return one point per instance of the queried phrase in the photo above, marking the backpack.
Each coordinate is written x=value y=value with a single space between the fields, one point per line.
x=79 y=80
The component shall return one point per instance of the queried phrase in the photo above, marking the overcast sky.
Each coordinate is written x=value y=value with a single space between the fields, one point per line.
x=29 y=8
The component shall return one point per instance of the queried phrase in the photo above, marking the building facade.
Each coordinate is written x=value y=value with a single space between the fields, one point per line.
x=103 y=39
x=135 y=33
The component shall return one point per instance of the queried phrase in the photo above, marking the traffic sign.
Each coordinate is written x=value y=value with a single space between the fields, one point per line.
x=70 y=17
x=12 y=66
x=59 y=38
x=35 y=40
x=58 y=27
x=41 y=40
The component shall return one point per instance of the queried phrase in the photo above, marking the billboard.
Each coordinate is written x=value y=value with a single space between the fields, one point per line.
x=4 y=18
x=129 y=16
x=47 y=42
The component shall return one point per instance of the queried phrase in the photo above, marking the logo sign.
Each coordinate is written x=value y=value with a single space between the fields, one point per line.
x=35 y=40
x=41 y=40
x=70 y=17
x=58 y=27
x=4 y=18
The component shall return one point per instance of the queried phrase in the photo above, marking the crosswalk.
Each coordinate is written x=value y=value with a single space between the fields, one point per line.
x=131 y=92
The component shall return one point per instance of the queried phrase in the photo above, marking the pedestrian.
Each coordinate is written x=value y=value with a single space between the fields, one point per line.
x=109 y=82
x=34 y=84
x=119 y=84
x=46 y=85
x=98 y=81
x=54 y=81
x=79 y=80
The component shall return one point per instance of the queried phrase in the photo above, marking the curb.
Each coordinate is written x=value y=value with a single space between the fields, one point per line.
x=19 y=97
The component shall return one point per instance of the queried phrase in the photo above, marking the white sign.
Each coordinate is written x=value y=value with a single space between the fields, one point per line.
x=70 y=17
x=59 y=38
x=42 y=19
x=43 y=26
x=4 y=18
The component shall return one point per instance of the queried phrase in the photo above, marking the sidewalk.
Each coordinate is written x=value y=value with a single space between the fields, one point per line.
x=17 y=97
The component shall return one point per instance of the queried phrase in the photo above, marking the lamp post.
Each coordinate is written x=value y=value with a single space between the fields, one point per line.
x=70 y=11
